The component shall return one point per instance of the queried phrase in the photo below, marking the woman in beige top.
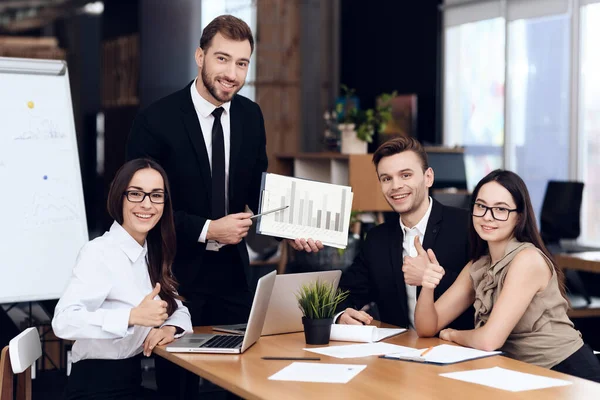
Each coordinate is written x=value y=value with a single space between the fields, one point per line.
x=513 y=284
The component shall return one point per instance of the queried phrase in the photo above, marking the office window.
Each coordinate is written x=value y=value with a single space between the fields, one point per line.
x=589 y=123
x=537 y=139
x=245 y=10
x=474 y=94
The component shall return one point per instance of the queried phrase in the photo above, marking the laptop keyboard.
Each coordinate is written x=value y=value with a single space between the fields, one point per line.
x=224 y=342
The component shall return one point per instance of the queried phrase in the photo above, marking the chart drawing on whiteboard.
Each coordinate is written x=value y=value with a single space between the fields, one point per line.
x=316 y=210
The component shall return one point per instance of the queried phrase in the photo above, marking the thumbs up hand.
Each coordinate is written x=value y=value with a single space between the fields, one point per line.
x=149 y=312
x=414 y=267
x=433 y=273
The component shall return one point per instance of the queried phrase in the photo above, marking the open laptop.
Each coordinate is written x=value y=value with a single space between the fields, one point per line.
x=283 y=313
x=231 y=344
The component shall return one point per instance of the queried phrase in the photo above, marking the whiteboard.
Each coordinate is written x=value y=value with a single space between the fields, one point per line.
x=42 y=213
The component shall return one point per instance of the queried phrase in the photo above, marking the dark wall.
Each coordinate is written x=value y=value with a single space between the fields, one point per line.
x=120 y=18
x=389 y=45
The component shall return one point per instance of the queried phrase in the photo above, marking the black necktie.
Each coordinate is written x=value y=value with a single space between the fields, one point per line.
x=218 y=166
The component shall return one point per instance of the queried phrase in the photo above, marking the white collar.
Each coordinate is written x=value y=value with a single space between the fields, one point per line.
x=203 y=106
x=127 y=243
x=422 y=224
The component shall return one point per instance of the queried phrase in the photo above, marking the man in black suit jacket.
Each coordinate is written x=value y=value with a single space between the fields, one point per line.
x=184 y=135
x=391 y=262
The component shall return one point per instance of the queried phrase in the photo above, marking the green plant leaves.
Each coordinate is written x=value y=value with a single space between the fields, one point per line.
x=319 y=300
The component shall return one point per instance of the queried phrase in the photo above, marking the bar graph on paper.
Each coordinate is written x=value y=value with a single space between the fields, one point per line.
x=316 y=210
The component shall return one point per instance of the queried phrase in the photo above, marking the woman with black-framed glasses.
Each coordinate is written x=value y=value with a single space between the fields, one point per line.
x=512 y=282
x=122 y=298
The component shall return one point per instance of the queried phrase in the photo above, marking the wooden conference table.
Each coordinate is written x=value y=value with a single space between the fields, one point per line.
x=588 y=261
x=247 y=374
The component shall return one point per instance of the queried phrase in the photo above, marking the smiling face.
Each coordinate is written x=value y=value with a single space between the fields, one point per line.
x=140 y=218
x=492 y=194
x=405 y=185
x=222 y=68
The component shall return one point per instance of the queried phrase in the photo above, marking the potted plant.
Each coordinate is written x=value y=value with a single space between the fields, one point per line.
x=357 y=127
x=318 y=302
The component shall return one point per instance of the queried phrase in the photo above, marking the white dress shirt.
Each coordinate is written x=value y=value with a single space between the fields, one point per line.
x=408 y=249
x=204 y=111
x=109 y=279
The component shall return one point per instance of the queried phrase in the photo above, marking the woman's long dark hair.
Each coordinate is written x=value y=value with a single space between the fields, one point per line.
x=160 y=239
x=526 y=229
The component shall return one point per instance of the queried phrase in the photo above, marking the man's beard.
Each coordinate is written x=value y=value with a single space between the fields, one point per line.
x=210 y=86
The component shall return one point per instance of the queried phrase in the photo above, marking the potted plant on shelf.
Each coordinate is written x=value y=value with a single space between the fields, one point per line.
x=357 y=127
x=318 y=302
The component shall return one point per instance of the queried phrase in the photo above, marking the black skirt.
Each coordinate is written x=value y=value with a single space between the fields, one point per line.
x=105 y=379
x=582 y=364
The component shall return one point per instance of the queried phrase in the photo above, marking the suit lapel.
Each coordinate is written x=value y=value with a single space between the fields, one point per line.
x=433 y=225
x=236 y=138
x=432 y=230
x=396 y=239
x=194 y=131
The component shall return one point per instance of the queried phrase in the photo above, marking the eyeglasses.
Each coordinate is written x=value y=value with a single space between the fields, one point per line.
x=137 y=196
x=498 y=213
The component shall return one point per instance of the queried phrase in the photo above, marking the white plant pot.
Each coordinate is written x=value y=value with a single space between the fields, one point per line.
x=352 y=144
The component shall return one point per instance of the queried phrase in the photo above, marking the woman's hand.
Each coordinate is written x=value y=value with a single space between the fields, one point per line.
x=149 y=312
x=433 y=273
x=446 y=334
x=158 y=336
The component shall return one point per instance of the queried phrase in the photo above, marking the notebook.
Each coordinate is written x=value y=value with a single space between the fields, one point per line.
x=232 y=344
x=441 y=355
x=283 y=313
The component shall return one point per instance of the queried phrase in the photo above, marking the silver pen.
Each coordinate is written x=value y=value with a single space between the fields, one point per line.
x=269 y=212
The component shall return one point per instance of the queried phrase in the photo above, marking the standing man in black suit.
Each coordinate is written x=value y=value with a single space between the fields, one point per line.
x=211 y=142
x=389 y=268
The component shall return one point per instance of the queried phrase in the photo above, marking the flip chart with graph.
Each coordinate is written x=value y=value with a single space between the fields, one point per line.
x=316 y=210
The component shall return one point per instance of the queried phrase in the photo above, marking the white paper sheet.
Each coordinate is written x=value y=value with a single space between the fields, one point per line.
x=362 y=333
x=506 y=379
x=442 y=354
x=359 y=350
x=317 y=372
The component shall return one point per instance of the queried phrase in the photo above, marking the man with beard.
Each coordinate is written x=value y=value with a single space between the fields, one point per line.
x=211 y=142
x=389 y=268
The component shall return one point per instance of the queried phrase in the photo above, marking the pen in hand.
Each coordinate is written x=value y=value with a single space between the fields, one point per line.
x=268 y=212
x=293 y=358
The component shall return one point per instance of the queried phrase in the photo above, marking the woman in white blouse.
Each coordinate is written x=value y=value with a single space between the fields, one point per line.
x=122 y=297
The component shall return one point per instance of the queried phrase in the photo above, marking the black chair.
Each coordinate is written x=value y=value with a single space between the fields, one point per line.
x=561 y=212
x=560 y=219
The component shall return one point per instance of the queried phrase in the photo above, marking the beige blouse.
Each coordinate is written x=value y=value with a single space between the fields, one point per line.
x=544 y=335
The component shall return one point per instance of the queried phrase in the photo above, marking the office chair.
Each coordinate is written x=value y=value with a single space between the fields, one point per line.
x=560 y=219
x=561 y=212
x=20 y=354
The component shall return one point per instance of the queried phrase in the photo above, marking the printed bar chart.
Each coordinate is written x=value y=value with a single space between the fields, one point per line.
x=316 y=210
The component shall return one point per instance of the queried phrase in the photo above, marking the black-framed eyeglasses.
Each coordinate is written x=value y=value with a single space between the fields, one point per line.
x=138 y=196
x=498 y=213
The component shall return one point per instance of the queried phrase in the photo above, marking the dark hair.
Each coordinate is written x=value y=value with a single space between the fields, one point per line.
x=526 y=229
x=229 y=26
x=400 y=145
x=160 y=239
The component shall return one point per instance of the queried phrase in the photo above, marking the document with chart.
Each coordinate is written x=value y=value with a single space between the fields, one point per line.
x=308 y=209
